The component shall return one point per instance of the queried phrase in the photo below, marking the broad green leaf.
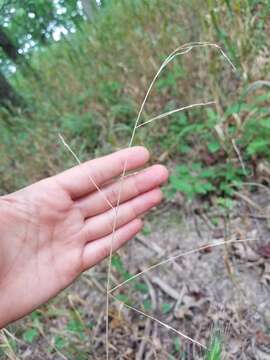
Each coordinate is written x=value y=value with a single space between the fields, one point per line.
x=30 y=335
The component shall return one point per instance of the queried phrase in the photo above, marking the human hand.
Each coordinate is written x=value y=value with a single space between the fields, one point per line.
x=55 y=229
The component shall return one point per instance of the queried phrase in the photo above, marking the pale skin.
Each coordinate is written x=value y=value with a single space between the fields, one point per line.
x=53 y=230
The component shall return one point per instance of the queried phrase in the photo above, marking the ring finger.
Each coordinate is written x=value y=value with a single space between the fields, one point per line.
x=102 y=225
x=131 y=187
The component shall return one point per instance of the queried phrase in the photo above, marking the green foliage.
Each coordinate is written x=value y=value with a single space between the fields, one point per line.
x=194 y=179
x=142 y=288
x=60 y=343
x=166 y=308
x=147 y=305
x=169 y=81
x=82 y=125
x=75 y=325
x=146 y=230
x=225 y=202
x=124 y=298
x=177 y=344
x=30 y=335
x=255 y=128
x=215 y=349
x=177 y=350
x=244 y=131
x=117 y=263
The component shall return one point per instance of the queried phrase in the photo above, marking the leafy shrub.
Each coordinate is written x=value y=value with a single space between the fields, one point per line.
x=194 y=179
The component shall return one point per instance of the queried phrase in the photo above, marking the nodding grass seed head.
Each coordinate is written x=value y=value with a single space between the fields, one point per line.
x=184 y=49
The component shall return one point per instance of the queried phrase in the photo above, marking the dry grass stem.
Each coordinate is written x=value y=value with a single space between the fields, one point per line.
x=189 y=252
x=9 y=352
x=184 y=49
x=161 y=323
x=176 y=111
x=239 y=157
x=89 y=175
x=110 y=262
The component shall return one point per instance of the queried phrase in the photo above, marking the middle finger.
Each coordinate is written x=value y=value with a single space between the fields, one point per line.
x=131 y=187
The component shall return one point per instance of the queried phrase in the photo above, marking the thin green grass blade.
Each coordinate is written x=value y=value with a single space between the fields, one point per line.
x=214 y=353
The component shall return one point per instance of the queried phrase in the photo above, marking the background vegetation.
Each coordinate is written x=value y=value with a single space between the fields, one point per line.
x=89 y=85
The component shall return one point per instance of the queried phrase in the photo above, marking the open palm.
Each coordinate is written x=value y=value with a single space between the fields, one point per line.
x=53 y=230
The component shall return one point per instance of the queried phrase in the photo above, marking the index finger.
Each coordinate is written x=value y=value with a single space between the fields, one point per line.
x=77 y=180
